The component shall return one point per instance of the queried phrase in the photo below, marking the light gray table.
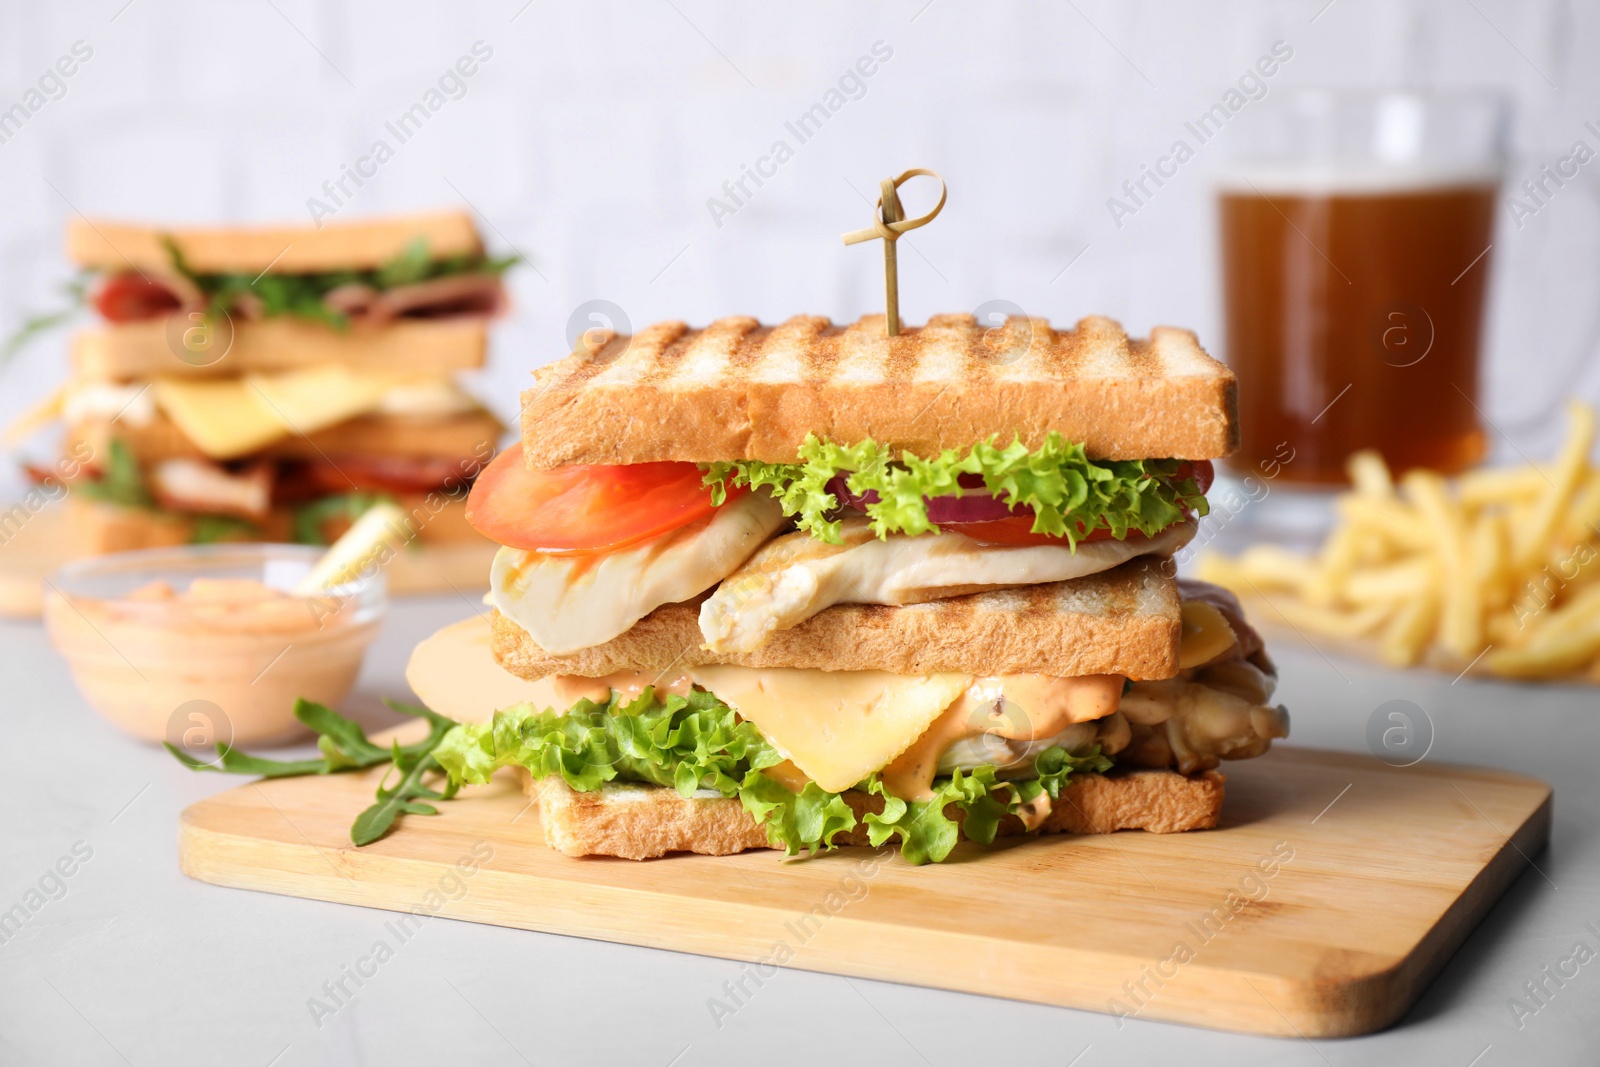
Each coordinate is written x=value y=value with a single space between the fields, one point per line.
x=137 y=964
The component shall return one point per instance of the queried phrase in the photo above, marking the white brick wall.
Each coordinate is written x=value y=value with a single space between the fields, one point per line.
x=596 y=132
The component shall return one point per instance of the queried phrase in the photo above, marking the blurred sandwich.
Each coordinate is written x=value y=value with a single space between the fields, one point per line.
x=270 y=383
x=806 y=585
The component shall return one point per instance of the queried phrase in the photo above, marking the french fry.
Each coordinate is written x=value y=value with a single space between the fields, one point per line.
x=1491 y=561
x=1531 y=541
x=1332 y=622
x=1500 y=485
x=1223 y=571
x=1570 y=567
x=1504 y=630
x=1577 y=614
x=1413 y=578
x=1334 y=564
x=1370 y=475
x=1583 y=521
x=1409 y=630
x=1273 y=567
x=1395 y=521
x=1562 y=653
x=1461 y=607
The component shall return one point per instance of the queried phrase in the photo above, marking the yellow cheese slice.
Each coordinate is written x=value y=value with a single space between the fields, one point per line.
x=836 y=726
x=224 y=418
x=231 y=417
x=318 y=397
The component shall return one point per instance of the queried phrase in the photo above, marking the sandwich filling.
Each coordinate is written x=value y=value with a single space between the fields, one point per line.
x=415 y=284
x=589 y=552
x=286 y=455
x=308 y=501
x=927 y=759
x=842 y=525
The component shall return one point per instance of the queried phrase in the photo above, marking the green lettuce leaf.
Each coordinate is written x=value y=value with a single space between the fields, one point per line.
x=699 y=742
x=809 y=820
x=1054 y=767
x=120 y=481
x=1070 y=494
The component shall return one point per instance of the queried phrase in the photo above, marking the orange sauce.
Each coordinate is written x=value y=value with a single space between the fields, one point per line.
x=573 y=688
x=1036 y=707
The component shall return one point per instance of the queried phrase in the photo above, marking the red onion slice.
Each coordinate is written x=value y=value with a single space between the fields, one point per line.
x=976 y=506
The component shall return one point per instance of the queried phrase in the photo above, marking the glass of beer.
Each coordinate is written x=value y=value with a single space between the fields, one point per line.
x=1356 y=234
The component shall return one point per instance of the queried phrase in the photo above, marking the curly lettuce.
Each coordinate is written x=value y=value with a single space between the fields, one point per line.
x=1070 y=494
x=698 y=742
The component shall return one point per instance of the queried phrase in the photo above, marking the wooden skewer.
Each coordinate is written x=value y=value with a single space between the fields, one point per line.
x=888 y=227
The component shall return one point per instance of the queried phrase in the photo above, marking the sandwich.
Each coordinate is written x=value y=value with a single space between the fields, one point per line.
x=271 y=383
x=807 y=585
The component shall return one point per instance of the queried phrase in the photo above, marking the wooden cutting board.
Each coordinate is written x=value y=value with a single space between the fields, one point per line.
x=1333 y=893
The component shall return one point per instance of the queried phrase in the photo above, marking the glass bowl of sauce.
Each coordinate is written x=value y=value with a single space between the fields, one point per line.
x=209 y=643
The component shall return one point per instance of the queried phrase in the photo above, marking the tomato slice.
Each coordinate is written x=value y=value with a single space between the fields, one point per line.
x=585 y=508
x=131 y=298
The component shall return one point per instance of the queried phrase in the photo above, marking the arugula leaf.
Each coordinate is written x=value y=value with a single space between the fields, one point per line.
x=406 y=798
x=120 y=481
x=180 y=265
x=235 y=762
x=1070 y=494
x=345 y=747
x=34 y=326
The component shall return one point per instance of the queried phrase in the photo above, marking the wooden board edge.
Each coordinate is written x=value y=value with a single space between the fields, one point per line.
x=1467 y=912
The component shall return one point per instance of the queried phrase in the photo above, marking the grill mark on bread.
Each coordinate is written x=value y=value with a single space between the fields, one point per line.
x=659 y=364
x=748 y=352
x=819 y=360
x=579 y=371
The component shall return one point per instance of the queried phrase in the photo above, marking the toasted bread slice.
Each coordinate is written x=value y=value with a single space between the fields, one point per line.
x=98 y=527
x=1122 y=621
x=463 y=436
x=740 y=390
x=639 y=822
x=105 y=244
x=133 y=351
